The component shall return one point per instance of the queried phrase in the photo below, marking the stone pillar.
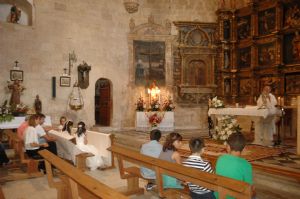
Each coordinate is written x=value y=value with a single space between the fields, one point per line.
x=298 y=125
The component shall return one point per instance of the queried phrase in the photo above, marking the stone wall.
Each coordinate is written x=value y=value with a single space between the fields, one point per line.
x=97 y=31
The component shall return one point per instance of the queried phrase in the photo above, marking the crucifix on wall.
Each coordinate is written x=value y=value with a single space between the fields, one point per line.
x=83 y=75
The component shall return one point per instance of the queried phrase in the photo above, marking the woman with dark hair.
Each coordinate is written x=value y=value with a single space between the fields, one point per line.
x=67 y=127
x=169 y=153
x=81 y=143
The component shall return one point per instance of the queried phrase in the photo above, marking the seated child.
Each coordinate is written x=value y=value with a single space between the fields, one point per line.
x=195 y=161
x=153 y=149
x=232 y=165
x=95 y=161
x=62 y=121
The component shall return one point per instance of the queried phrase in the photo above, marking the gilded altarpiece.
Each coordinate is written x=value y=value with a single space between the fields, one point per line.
x=259 y=45
x=194 y=62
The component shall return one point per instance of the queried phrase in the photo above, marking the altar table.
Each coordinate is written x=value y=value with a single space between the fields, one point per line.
x=259 y=116
x=16 y=122
x=142 y=121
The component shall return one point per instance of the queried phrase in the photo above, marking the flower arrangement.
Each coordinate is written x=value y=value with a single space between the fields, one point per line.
x=226 y=126
x=216 y=103
x=19 y=109
x=140 y=104
x=154 y=106
x=168 y=105
x=5 y=113
x=155 y=119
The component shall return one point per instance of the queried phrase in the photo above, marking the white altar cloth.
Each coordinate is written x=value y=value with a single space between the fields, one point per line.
x=247 y=111
x=259 y=116
x=142 y=121
x=16 y=122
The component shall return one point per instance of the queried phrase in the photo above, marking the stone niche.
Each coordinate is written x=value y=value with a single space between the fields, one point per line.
x=26 y=7
x=194 y=63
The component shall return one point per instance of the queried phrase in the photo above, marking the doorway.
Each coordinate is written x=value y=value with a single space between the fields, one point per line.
x=103 y=102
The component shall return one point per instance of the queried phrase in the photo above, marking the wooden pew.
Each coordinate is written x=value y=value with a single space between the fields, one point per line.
x=225 y=186
x=75 y=183
x=18 y=146
x=66 y=147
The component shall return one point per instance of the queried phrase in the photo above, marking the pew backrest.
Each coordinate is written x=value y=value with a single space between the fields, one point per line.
x=77 y=178
x=101 y=141
x=223 y=185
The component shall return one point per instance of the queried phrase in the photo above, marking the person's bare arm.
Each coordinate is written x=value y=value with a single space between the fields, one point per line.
x=85 y=140
x=34 y=144
x=49 y=138
x=176 y=157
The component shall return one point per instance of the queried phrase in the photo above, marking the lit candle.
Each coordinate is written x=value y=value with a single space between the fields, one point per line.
x=278 y=101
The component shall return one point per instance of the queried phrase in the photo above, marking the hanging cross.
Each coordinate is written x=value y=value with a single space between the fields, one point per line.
x=16 y=64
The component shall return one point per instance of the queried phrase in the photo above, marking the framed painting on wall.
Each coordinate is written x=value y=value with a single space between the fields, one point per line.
x=65 y=81
x=149 y=62
x=16 y=75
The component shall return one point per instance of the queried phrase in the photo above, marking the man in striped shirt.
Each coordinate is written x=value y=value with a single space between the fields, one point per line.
x=195 y=161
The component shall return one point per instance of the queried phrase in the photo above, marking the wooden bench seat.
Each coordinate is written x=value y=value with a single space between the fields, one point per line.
x=135 y=172
x=74 y=183
x=18 y=146
x=223 y=185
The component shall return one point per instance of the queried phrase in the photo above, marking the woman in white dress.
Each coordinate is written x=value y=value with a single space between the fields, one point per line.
x=81 y=143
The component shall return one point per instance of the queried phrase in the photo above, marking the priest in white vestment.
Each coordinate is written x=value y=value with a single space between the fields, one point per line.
x=266 y=101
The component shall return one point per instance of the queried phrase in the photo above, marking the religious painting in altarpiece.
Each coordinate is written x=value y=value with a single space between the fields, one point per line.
x=149 y=58
x=244 y=27
x=244 y=57
x=266 y=21
x=266 y=54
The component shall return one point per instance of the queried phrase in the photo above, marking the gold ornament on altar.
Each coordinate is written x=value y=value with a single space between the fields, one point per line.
x=76 y=99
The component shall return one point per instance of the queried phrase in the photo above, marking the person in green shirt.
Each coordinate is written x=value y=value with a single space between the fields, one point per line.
x=232 y=165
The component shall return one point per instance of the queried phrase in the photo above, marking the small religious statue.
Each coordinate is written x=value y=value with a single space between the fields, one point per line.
x=37 y=104
x=83 y=75
x=15 y=14
x=16 y=90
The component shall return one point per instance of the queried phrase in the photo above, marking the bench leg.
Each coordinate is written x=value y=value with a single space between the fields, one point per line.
x=32 y=166
x=133 y=187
